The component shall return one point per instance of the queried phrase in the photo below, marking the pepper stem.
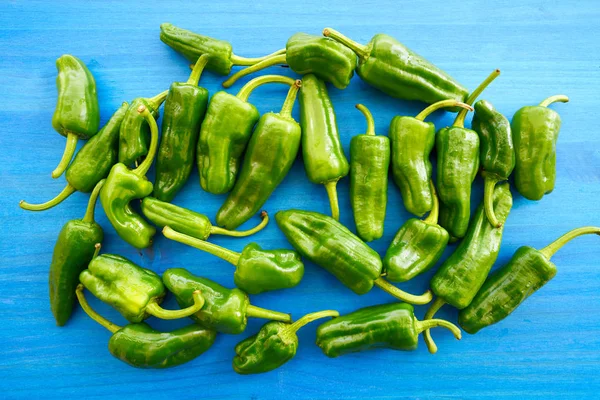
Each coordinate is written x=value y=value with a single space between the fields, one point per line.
x=401 y=294
x=159 y=312
x=460 y=118
x=197 y=70
x=433 y=308
x=290 y=99
x=432 y=218
x=70 y=147
x=221 y=252
x=369 y=117
x=89 y=212
x=249 y=87
x=143 y=168
x=244 y=61
x=93 y=314
x=66 y=192
x=308 y=318
x=553 y=99
x=434 y=323
x=441 y=104
x=333 y=199
x=215 y=230
x=361 y=50
x=553 y=247
x=97 y=248
x=258 y=312
x=266 y=63
x=490 y=181
x=156 y=101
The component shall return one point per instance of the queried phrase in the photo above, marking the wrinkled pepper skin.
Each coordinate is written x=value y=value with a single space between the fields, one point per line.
x=181 y=219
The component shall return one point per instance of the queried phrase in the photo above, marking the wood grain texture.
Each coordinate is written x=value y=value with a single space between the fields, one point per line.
x=549 y=347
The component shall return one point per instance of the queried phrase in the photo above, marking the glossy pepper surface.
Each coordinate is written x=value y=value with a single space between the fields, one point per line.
x=506 y=288
x=225 y=310
x=392 y=326
x=330 y=245
x=271 y=152
x=535 y=132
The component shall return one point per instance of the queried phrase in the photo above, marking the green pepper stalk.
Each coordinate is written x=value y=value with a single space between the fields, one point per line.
x=275 y=344
x=257 y=270
x=504 y=290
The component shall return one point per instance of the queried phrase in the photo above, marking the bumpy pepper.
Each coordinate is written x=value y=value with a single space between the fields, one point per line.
x=497 y=155
x=225 y=310
x=535 y=132
x=458 y=163
x=392 y=326
x=143 y=347
x=330 y=245
x=369 y=163
x=270 y=155
x=308 y=54
x=505 y=289
x=77 y=115
x=324 y=159
x=391 y=67
x=184 y=111
x=412 y=140
x=91 y=164
x=257 y=270
x=274 y=345
x=134 y=291
x=462 y=274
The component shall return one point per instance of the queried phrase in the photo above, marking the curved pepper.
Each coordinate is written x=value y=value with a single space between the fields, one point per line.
x=77 y=115
x=143 y=347
x=308 y=54
x=504 y=290
x=91 y=164
x=369 y=163
x=330 y=245
x=270 y=155
x=459 y=278
x=392 y=326
x=535 y=132
x=391 y=67
x=274 y=345
x=324 y=159
x=225 y=310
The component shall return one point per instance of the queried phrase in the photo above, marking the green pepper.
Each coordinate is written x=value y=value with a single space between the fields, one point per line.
x=369 y=163
x=142 y=347
x=90 y=165
x=392 y=326
x=497 y=151
x=78 y=242
x=462 y=274
x=77 y=115
x=309 y=54
x=458 y=163
x=391 y=67
x=192 y=45
x=322 y=152
x=185 y=107
x=274 y=345
x=134 y=291
x=270 y=155
x=412 y=140
x=330 y=245
x=535 y=132
x=225 y=310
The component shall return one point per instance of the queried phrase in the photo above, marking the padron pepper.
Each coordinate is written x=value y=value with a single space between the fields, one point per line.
x=459 y=278
x=225 y=310
x=393 y=326
x=256 y=270
x=134 y=291
x=324 y=159
x=309 y=54
x=271 y=152
x=77 y=115
x=275 y=344
x=391 y=67
x=506 y=288
x=143 y=347
x=535 y=132
x=369 y=163
x=330 y=245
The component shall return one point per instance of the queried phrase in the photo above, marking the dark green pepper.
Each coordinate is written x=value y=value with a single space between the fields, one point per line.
x=392 y=326
x=274 y=345
x=330 y=245
x=505 y=289
x=270 y=155
x=225 y=310
x=77 y=115
x=324 y=159
x=535 y=132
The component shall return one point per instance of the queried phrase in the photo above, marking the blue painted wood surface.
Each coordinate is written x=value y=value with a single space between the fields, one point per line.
x=549 y=347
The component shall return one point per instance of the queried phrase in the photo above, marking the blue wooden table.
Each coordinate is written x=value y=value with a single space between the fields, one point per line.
x=549 y=347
